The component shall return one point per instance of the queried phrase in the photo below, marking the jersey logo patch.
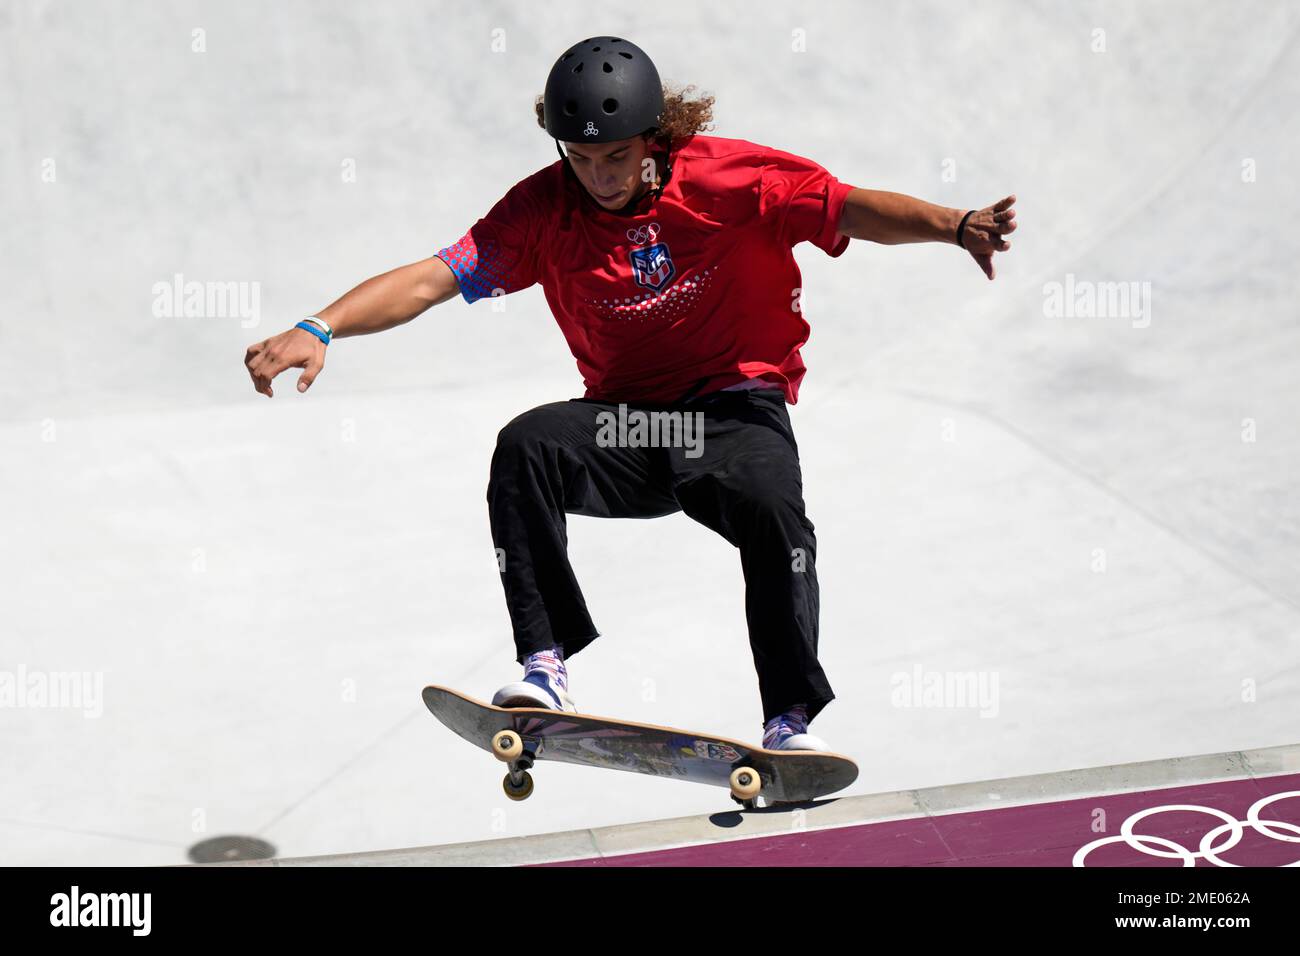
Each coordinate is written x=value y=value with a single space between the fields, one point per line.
x=652 y=266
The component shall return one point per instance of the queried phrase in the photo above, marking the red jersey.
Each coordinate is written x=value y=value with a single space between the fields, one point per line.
x=685 y=293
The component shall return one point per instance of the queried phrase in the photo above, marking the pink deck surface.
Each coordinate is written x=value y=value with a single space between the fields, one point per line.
x=1043 y=834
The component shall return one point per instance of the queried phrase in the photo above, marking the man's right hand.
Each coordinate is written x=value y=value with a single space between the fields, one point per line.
x=296 y=348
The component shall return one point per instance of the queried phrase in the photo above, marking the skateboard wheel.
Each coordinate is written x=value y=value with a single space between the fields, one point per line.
x=521 y=792
x=745 y=783
x=507 y=745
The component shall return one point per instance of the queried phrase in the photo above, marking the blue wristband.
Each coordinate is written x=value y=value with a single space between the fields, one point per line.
x=314 y=331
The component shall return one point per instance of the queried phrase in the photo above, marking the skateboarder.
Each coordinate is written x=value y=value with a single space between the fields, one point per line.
x=665 y=257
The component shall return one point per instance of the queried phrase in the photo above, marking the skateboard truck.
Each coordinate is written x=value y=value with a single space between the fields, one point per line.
x=745 y=786
x=508 y=747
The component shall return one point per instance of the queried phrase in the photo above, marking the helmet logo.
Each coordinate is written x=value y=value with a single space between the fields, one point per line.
x=591 y=129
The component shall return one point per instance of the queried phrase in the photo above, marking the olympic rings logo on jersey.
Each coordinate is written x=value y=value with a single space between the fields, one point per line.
x=1207 y=849
x=639 y=235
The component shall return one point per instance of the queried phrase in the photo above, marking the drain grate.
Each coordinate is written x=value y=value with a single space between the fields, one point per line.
x=228 y=849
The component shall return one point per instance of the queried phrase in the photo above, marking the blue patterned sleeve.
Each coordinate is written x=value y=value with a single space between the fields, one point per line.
x=498 y=254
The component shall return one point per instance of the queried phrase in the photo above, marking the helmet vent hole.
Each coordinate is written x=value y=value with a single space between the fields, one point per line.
x=570 y=108
x=607 y=68
x=578 y=68
x=625 y=55
x=610 y=106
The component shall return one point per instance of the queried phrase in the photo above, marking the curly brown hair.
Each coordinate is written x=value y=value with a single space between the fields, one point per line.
x=681 y=117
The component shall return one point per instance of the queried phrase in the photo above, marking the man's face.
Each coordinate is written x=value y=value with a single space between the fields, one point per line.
x=611 y=172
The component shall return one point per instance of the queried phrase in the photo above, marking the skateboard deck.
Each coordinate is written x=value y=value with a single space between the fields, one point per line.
x=518 y=736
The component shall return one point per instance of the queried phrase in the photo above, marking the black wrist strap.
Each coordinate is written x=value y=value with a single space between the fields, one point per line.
x=962 y=227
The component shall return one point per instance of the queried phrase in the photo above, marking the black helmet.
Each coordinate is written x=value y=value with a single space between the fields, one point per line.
x=602 y=90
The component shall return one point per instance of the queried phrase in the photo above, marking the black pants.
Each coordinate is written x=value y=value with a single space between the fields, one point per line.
x=739 y=475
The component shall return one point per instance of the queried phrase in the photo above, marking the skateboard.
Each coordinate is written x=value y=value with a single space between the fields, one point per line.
x=519 y=736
